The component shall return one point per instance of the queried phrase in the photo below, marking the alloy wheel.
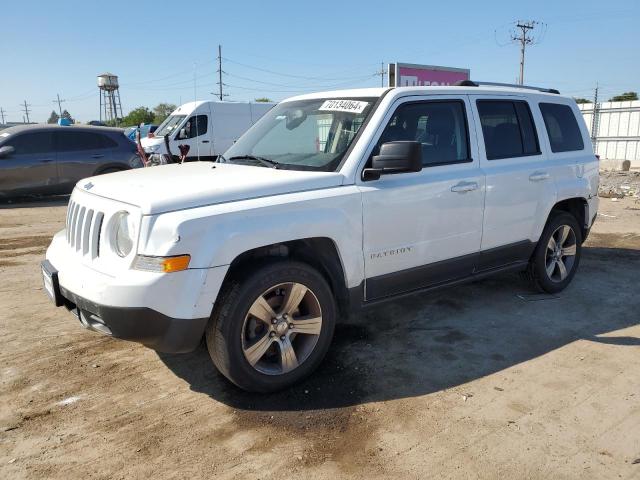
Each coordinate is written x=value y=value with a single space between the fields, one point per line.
x=561 y=253
x=282 y=328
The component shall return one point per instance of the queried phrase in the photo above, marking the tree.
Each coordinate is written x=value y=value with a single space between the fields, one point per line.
x=137 y=116
x=264 y=100
x=67 y=115
x=54 y=117
x=625 y=97
x=162 y=111
x=582 y=100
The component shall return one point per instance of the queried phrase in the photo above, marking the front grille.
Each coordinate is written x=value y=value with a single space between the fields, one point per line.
x=83 y=229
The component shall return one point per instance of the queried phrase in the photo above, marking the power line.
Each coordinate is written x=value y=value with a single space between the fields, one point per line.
x=523 y=38
x=382 y=73
x=26 y=111
x=360 y=77
x=273 y=72
x=220 y=72
x=59 y=102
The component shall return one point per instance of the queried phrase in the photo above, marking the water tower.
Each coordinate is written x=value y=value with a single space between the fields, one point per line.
x=110 y=107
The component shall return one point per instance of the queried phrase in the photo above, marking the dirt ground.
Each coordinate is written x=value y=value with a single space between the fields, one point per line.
x=485 y=380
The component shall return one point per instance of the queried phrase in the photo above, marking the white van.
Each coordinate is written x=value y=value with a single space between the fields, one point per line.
x=209 y=128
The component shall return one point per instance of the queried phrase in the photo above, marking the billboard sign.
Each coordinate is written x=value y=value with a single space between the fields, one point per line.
x=412 y=75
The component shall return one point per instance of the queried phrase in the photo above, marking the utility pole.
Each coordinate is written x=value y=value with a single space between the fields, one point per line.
x=524 y=39
x=382 y=73
x=2 y=114
x=58 y=101
x=220 y=71
x=26 y=111
x=595 y=120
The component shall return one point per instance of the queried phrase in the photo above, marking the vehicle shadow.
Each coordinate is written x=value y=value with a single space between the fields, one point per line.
x=429 y=342
x=32 y=202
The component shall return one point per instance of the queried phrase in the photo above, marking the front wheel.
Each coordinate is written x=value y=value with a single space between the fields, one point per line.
x=272 y=327
x=557 y=255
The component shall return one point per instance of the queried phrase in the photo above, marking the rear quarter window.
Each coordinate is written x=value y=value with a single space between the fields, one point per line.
x=562 y=127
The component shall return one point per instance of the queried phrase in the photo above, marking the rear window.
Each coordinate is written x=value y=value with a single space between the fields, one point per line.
x=71 y=141
x=562 y=127
x=31 y=143
x=508 y=129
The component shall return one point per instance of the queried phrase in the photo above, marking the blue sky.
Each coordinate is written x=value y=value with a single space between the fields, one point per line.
x=279 y=48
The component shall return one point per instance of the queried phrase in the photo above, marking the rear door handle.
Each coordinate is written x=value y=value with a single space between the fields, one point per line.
x=46 y=160
x=97 y=155
x=538 y=176
x=205 y=141
x=464 y=187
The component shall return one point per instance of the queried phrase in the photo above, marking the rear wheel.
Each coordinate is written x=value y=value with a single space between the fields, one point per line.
x=557 y=255
x=273 y=327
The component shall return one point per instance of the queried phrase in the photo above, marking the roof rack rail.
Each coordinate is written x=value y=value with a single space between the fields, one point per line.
x=473 y=83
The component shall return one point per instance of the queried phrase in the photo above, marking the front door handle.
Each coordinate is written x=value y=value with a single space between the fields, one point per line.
x=205 y=141
x=97 y=155
x=464 y=187
x=538 y=176
x=46 y=160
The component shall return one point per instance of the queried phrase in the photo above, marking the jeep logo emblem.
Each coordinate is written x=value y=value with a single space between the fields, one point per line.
x=88 y=186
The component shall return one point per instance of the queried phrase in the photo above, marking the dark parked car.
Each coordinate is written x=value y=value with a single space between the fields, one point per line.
x=50 y=159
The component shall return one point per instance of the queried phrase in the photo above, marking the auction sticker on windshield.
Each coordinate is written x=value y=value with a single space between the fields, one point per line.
x=350 y=106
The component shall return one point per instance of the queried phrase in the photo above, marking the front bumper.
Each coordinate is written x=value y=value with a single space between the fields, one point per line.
x=139 y=324
x=167 y=312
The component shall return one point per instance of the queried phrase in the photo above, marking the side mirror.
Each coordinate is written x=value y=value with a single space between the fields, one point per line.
x=395 y=157
x=182 y=135
x=6 y=151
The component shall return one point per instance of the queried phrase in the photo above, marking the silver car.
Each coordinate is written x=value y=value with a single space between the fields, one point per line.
x=50 y=159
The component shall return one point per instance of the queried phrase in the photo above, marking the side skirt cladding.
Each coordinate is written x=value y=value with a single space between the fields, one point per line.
x=440 y=274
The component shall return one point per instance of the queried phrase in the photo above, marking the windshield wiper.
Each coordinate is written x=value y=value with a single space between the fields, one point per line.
x=265 y=161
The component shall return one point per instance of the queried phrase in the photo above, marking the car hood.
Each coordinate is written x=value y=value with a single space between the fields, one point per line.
x=166 y=188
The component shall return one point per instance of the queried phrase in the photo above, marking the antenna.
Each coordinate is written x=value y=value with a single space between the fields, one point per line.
x=59 y=102
x=520 y=34
x=26 y=112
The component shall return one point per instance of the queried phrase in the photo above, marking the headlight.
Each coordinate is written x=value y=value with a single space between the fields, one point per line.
x=152 y=148
x=123 y=234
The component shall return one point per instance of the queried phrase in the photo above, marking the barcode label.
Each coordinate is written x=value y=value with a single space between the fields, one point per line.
x=350 y=106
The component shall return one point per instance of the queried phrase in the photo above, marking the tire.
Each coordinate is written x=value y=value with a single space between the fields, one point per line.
x=545 y=272
x=255 y=354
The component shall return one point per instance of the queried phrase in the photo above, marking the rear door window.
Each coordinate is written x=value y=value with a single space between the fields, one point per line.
x=70 y=141
x=562 y=127
x=508 y=129
x=31 y=143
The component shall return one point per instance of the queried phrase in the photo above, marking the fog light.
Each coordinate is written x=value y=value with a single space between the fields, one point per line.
x=162 y=264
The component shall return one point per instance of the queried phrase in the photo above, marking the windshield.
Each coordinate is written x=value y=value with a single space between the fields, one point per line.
x=302 y=135
x=169 y=125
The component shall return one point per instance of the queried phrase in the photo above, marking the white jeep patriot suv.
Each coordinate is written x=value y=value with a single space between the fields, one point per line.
x=332 y=201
